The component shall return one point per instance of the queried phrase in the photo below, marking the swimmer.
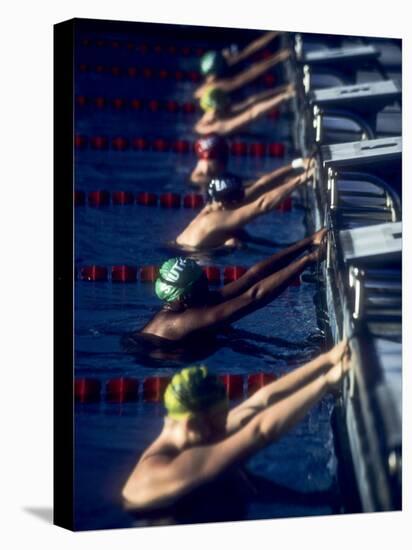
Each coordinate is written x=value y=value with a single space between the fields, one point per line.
x=202 y=439
x=191 y=311
x=212 y=152
x=231 y=207
x=223 y=118
x=215 y=68
x=216 y=63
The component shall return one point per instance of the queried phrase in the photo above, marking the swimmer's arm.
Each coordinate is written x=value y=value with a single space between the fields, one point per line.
x=255 y=98
x=257 y=69
x=278 y=390
x=236 y=219
x=251 y=48
x=264 y=268
x=160 y=481
x=258 y=295
x=233 y=124
x=267 y=181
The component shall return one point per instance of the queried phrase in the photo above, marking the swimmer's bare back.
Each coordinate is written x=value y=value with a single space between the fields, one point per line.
x=207 y=231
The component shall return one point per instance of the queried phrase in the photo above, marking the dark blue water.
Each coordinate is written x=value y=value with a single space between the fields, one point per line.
x=109 y=438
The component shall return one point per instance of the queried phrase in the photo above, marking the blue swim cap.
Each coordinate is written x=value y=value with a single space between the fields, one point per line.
x=225 y=189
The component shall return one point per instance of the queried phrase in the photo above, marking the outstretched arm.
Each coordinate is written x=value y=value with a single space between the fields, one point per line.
x=284 y=386
x=257 y=296
x=233 y=124
x=251 y=73
x=256 y=98
x=255 y=46
x=245 y=77
x=238 y=218
x=267 y=266
x=268 y=181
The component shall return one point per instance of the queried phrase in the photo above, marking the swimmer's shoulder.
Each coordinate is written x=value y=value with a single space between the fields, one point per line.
x=160 y=450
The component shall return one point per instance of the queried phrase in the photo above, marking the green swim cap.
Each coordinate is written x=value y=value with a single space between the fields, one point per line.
x=191 y=391
x=213 y=62
x=176 y=278
x=214 y=98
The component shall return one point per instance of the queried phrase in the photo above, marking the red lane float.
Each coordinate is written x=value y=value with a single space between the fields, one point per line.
x=136 y=104
x=189 y=108
x=212 y=273
x=80 y=142
x=132 y=72
x=257 y=149
x=116 y=71
x=98 y=198
x=147 y=72
x=142 y=48
x=154 y=388
x=122 y=390
x=178 y=75
x=233 y=273
x=276 y=149
x=122 y=197
x=172 y=106
x=93 y=273
x=238 y=148
x=124 y=274
x=147 y=199
x=101 y=69
x=118 y=103
x=163 y=74
x=100 y=102
x=269 y=80
x=233 y=384
x=120 y=143
x=273 y=115
x=99 y=143
x=149 y=273
x=170 y=200
x=140 y=144
x=81 y=101
x=160 y=145
x=257 y=381
x=87 y=390
x=154 y=105
x=285 y=205
x=193 y=200
x=181 y=146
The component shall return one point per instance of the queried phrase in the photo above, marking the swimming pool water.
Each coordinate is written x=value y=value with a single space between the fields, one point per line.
x=110 y=437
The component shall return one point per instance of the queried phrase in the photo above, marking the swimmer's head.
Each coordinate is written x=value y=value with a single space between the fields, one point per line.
x=226 y=189
x=181 y=280
x=213 y=63
x=212 y=147
x=214 y=99
x=194 y=392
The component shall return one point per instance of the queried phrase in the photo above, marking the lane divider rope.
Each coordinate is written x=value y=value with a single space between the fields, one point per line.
x=126 y=273
x=103 y=198
x=268 y=79
x=143 y=48
x=151 y=389
x=180 y=146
